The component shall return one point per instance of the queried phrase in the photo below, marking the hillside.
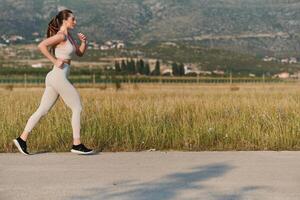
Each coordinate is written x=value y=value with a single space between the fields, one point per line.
x=252 y=26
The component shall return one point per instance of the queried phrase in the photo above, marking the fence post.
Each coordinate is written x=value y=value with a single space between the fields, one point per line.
x=263 y=77
x=230 y=78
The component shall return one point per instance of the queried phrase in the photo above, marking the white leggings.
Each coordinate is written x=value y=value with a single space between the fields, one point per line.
x=57 y=84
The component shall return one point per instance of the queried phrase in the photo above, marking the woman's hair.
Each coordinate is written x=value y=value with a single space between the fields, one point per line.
x=56 y=22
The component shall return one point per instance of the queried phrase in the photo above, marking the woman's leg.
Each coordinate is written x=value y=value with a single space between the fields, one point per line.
x=48 y=99
x=72 y=99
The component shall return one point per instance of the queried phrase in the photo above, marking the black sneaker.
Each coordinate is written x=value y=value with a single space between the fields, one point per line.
x=21 y=145
x=81 y=149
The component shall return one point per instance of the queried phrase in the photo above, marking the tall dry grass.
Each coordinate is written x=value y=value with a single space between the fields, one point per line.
x=164 y=117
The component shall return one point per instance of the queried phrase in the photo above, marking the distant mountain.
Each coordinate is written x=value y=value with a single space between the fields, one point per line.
x=253 y=26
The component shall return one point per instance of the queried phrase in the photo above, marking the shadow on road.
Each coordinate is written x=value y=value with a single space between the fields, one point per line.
x=170 y=186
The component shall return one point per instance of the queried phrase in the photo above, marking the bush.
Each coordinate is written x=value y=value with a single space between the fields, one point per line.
x=9 y=87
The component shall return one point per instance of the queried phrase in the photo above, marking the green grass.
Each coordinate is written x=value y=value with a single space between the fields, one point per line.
x=164 y=117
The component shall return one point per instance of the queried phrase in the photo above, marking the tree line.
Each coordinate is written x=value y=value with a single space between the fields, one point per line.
x=123 y=67
x=139 y=66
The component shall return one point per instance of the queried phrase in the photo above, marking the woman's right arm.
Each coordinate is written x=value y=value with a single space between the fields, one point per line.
x=51 y=41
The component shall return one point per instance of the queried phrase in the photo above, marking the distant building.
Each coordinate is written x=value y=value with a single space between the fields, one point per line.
x=188 y=69
x=38 y=65
x=120 y=45
x=219 y=72
x=293 y=60
x=113 y=44
x=11 y=38
x=4 y=37
x=136 y=53
x=285 y=60
x=15 y=38
x=108 y=43
x=104 y=47
x=167 y=72
x=35 y=34
x=110 y=67
x=269 y=59
x=93 y=45
x=204 y=72
x=170 y=44
x=283 y=75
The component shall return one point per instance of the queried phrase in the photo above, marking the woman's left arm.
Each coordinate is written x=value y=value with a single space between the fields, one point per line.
x=80 y=49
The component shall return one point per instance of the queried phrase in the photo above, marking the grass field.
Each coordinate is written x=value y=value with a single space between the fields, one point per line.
x=164 y=117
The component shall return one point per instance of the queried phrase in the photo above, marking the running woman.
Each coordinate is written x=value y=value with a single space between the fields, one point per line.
x=63 y=47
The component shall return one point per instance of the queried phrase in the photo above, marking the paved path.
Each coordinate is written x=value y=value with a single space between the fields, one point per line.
x=151 y=176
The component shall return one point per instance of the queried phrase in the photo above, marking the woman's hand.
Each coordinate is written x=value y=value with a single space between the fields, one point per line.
x=82 y=37
x=80 y=49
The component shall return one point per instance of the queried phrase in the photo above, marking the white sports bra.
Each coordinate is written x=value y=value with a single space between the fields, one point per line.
x=65 y=51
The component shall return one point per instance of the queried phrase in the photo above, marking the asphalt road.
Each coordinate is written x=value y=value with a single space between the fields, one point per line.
x=151 y=176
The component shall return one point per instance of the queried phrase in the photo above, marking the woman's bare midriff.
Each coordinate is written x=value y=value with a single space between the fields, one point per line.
x=67 y=61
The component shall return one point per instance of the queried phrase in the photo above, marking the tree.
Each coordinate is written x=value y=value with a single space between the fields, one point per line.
x=175 y=69
x=127 y=66
x=137 y=66
x=117 y=66
x=123 y=66
x=147 y=69
x=132 y=66
x=156 y=71
x=140 y=66
x=181 y=69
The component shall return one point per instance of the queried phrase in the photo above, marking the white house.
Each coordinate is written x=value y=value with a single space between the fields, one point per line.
x=15 y=37
x=120 y=45
x=104 y=47
x=167 y=72
x=188 y=69
x=285 y=60
x=108 y=43
x=296 y=75
x=269 y=59
x=218 y=72
x=204 y=72
x=38 y=65
x=293 y=60
x=282 y=75
x=35 y=34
